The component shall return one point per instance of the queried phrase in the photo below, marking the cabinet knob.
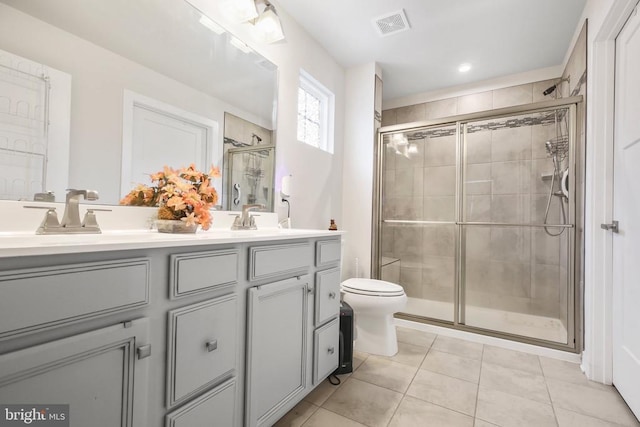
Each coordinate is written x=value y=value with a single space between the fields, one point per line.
x=331 y=350
x=211 y=345
x=332 y=295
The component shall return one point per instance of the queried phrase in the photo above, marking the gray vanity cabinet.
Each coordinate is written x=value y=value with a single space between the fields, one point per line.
x=277 y=342
x=240 y=332
x=100 y=374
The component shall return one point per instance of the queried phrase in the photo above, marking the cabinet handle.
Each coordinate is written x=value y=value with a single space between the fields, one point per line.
x=143 y=351
x=211 y=345
x=332 y=295
x=331 y=350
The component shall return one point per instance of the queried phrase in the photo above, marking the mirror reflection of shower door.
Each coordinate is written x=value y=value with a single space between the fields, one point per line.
x=516 y=226
x=417 y=239
x=250 y=178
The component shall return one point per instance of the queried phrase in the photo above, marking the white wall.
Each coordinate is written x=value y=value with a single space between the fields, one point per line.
x=357 y=190
x=99 y=78
x=317 y=175
x=605 y=19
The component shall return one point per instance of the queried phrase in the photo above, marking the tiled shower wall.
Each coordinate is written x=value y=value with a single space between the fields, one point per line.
x=508 y=268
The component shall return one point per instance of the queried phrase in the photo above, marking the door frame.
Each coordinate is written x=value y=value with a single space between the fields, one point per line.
x=597 y=358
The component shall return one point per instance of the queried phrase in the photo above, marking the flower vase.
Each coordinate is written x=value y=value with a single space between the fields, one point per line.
x=175 y=226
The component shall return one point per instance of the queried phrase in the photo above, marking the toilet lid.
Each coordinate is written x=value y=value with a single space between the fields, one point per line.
x=372 y=287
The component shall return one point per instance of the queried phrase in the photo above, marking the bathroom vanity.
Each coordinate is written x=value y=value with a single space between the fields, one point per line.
x=140 y=328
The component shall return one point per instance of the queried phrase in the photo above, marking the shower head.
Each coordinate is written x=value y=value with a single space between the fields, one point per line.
x=550 y=90
x=549 y=147
x=558 y=147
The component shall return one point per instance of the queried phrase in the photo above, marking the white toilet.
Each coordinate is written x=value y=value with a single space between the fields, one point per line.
x=374 y=302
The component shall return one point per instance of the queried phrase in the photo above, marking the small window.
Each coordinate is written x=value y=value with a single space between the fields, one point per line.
x=315 y=113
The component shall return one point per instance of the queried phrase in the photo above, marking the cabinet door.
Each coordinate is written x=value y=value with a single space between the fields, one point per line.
x=98 y=374
x=276 y=348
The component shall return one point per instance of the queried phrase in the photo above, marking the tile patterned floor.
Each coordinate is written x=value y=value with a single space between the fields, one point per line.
x=440 y=381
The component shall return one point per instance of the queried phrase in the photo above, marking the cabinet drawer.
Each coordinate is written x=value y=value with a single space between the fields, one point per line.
x=327 y=295
x=217 y=407
x=271 y=261
x=40 y=298
x=201 y=347
x=202 y=271
x=327 y=348
x=327 y=252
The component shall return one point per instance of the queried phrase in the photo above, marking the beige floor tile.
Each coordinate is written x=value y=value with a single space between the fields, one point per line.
x=358 y=359
x=321 y=393
x=481 y=423
x=415 y=337
x=567 y=371
x=445 y=391
x=385 y=373
x=603 y=404
x=298 y=415
x=364 y=402
x=573 y=419
x=513 y=381
x=452 y=365
x=324 y=418
x=512 y=359
x=507 y=410
x=409 y=354
x=414 y=412
x=458 y=347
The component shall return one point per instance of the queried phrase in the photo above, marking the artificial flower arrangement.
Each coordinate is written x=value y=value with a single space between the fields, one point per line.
x=182 y=194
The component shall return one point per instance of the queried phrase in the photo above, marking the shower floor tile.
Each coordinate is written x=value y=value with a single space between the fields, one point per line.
x=563 y=396
x=528 y=325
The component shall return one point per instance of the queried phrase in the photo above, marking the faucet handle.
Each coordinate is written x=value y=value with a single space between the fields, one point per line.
x=50 y=220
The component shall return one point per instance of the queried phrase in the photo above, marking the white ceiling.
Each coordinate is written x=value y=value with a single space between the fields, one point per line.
x=497 y=37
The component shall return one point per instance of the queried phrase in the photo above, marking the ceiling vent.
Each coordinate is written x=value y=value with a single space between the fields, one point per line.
x=391 y=23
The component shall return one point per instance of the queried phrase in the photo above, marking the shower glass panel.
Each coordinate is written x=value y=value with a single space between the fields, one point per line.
x=418 y=218
x=475 y=221
x=514 y=241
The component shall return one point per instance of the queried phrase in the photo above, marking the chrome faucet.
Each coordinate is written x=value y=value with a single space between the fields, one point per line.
x=70 y=223
x=246 y=221
x=71 y=217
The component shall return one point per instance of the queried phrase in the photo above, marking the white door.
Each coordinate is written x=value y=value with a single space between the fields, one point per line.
x=160 y=139
x=155 y=134
x=626 y=242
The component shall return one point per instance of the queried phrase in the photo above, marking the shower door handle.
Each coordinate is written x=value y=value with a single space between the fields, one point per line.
x=238 y=198
x=613 y=226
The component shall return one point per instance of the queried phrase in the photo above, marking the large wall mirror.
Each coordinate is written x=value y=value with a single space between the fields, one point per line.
x=99 y=94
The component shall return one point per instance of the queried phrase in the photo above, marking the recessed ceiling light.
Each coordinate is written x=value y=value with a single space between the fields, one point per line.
x=463 y=68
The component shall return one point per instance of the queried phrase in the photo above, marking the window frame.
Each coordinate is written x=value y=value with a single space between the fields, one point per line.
x=314 y=88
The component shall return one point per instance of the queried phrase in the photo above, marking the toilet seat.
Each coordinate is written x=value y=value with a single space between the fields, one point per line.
x=372 y=287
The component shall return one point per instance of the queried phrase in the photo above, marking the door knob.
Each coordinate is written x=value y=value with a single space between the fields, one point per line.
x=613 y=226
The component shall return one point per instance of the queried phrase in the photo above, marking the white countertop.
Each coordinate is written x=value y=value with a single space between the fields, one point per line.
x=126 y=228
x=14 y=244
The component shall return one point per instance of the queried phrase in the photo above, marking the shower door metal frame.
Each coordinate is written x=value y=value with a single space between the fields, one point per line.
x=574 y=311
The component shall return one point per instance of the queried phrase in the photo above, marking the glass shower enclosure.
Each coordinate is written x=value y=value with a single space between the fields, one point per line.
x=475 y=217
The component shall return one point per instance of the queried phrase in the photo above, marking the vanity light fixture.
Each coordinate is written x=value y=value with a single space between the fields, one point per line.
x=268 y=25
x=240 y=10
x=463 y=68
x=208 y=23
x=240 y=44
